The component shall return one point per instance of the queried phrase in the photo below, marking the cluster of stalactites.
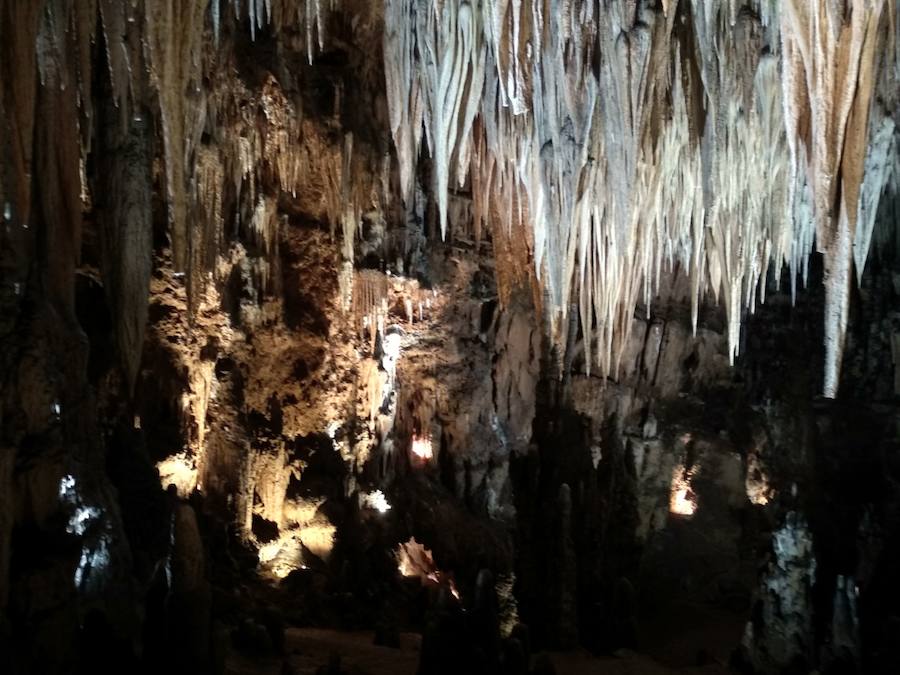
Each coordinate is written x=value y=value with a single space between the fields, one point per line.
x=220 y=163
x=175 y=37
x=715 y=137
x=275 y=14
x=370 y=304
x=165 y=44
x=831 y=62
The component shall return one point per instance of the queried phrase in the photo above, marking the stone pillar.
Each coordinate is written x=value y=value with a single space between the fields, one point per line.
x=780 y=632
x=485 y=620
x=190 y=595
x=7 y=456
x=563 y=575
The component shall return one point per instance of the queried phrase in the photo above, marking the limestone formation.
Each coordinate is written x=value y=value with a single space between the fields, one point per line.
x=445 y=317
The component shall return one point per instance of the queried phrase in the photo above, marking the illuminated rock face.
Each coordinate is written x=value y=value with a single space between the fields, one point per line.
x=414 y=560
x=683 y=500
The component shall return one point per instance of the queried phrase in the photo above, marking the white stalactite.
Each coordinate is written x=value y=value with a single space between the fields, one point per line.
x=626 y=145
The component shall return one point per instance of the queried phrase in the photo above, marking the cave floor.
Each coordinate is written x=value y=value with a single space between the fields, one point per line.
x=308 y=649
x=675 y=633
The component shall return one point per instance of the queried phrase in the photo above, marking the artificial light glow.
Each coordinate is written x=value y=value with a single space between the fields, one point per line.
x=81 y=518
x=94 y=551
x=180 y=471
x=267 y=552
x=66 y=485
x=759 y=491
x=332 y=428
x=391 y=348
x=318 y=538
x=81 y=515
x=421 y=447
x=377 y=501
x=281 y=556
x=414 y=560
x=682 y=500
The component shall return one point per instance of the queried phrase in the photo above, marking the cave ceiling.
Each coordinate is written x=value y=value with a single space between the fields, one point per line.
x=599 y=145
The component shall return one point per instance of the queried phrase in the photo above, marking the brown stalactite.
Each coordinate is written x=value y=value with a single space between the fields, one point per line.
x=57 y=143
x=126 y=232
x=19 y=22
x=174 y=38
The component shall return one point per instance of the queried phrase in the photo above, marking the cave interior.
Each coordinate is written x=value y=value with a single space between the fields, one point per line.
x=427 y=337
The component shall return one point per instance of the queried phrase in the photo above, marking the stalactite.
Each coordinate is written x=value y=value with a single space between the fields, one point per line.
x=58 y=152
x=174 y=38
x=632 y=140
x=370 y=296
x=127 y=234
x=122 y=28
x=599 y=144
x=403 y=88
x=447 y=40
x=349 y=216
x=263 y=144
x=309 y=15
x=830 y=50
x=19 y=23
x=882 y=166
x=264 y=226
x=207 y=220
